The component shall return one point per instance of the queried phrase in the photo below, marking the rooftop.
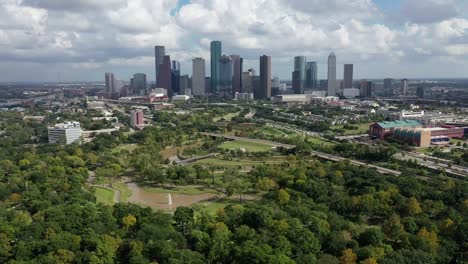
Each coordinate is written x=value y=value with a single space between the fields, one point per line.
x=399 y=123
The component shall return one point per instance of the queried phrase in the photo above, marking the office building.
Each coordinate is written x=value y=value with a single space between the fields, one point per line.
x=311 y=75
x=164 y=78
x=420 y=92
x=137 y=119
x=65 y=133
x=247 y=81
x=175 y=77
x=388 y=87
x=198 y=76
x=348 y=76
x=159 y=53
x=138 y=83
x=184 y=83
x=299 y=74
x=237 y=73
x=110 y=80
x=404 y=87
x=224 y=83
x=331 y=80
x=215 y=51
x=265 y=77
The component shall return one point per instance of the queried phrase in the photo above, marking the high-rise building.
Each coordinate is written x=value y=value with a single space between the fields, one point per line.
x=224 y=83
x=331 y=80
x=348 y=76
x=184 y=84
x=404 y=87
x=388 y=87
x=159 y=53
x=299 y=74
x=65 y=133
x=265 y=77
x=137 y=119
x=175 y=77
x=215 y=50
x=110 y=80
x=311 y=75
x=247 y=79
x=362 y=88
x=237 y=73
x=139 y=85
x=420 y=92
x=198 y=76
x=164 y=79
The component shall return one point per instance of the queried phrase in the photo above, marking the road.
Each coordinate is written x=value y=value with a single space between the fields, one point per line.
x=195 y=159
x=356 y=162
x=435 y=164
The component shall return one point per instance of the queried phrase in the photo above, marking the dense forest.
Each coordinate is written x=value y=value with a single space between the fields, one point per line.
x=311 y=211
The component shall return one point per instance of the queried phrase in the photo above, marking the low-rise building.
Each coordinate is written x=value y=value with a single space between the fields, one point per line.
x=65 y=133
x=137 y=120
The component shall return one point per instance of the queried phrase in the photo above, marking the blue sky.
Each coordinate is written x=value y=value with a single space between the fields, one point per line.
x=382 y=38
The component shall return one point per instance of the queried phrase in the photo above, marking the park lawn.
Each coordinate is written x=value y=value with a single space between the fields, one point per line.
x=273 y=132
x=128 y=147
x=125 y=193
x=226 y=117
x=247 y=145
x=243 y=162
x=319 y=141
x=363 y=128
x=172 y=150
x=187 y=190
x=104 y=195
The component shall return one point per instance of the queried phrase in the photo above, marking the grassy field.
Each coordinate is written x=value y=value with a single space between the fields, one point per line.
x=247 y=162
x=226 y=117
x=128 y=147
x=274 y=132
x=319 y=141
x=187 y=190
x=125 y=193
x=172 y=151
x=362 y=129
x=249 y=146
x=104 y=195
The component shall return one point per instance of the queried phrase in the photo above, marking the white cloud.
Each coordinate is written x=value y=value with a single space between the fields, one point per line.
x=91 y=35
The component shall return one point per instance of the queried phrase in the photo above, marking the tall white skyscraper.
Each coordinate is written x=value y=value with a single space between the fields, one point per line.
x=198 y=76
x=331 y=75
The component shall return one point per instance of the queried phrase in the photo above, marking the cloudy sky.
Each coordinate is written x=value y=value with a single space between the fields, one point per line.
x=82 y=39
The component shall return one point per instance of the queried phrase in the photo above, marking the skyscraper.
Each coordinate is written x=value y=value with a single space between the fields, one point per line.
x=404 y=87
x=348 y=76
x=299 y=74
x=139 y=83
x=237 y=73
x=331 y=75
x=198 y=76
x=109 y=78
x=215 y=50
x=164 y=78
x=175 y=77
x=265 y=77
x=247 y=81
x=159 y=53
x=311 y=75
x=388 y=87
x=226 y=71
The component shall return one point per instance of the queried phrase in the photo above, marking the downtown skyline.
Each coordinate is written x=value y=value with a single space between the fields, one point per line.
x=405 y=39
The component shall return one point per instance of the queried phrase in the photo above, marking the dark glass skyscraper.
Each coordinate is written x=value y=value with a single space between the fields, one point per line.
x=265 y=77
x=175 y=77
x=311 y=75
x=164 y=79
x=139 y=83
x=299 y=74
x=237 y=73
x=388 y=87
x=159 y=53
x=226 y=71
x=215 y=51
x=348 y=76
